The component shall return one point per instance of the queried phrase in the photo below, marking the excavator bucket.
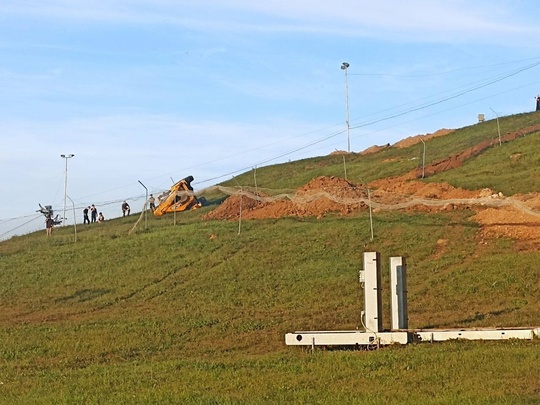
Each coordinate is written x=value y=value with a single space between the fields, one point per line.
x=179 y=198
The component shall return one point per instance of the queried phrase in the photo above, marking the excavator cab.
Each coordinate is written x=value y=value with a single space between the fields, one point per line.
x=179 y=198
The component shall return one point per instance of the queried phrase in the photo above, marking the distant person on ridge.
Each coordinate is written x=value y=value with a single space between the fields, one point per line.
x=100 y=218
x=537 y=103
x=49 y=223
x=86 y=220
x=93 y=213
x=125 y=209
x=152 y=202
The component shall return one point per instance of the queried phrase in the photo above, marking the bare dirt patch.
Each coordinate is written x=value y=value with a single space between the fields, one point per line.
x=509 y=222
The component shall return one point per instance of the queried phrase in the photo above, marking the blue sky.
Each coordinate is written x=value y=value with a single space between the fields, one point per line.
x=159 y=90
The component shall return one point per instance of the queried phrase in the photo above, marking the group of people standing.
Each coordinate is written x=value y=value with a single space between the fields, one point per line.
x=90 y=214
x=93 y=214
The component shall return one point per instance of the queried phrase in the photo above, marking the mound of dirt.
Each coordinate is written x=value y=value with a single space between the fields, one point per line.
x=413 y=140
x=233 y=205
x=405 y=143
x=374 y=148
x=319 y=197
x=385 y=188
x=341 y=152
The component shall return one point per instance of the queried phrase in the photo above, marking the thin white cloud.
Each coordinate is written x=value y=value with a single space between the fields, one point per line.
x=418 y=20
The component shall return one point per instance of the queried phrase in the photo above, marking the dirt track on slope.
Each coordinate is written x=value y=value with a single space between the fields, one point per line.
x=458 y=159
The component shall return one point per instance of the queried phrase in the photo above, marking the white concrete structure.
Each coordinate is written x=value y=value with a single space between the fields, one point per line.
x=372 y=292
x=346 y=338
x=374 y=335
x=434 y=335
x=398 y=293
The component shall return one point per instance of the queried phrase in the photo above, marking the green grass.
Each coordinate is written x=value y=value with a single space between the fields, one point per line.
x=512 y=168
x=196 y=313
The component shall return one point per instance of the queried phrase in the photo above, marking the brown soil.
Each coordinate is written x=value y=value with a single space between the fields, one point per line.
x=320 y=196
x=517 y=217
x=373 y=149
x=405 y=143
x=413 y=140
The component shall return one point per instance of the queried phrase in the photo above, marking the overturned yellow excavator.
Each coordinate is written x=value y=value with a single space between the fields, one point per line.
x=179 y=198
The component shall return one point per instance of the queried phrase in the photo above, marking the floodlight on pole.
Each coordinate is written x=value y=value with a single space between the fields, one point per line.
x=65 y=157
x=344 y=67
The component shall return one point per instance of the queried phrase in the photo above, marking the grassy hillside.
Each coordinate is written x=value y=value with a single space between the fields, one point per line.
x=196 y=312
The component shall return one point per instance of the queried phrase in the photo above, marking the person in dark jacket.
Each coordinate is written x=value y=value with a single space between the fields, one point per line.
x=93 y=211
x=86 y=220
x=49 y=223
x=125 y=209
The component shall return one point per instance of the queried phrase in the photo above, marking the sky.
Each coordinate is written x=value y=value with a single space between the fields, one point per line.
x=152 y=91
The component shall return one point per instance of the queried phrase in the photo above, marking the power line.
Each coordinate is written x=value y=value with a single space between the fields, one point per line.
x=447 y=98
x=444 y=72
x=20 y=226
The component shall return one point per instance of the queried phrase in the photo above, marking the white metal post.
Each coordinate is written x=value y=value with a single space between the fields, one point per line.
x=398 y=293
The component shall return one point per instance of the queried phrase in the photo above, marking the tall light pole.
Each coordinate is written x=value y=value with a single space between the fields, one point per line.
x=65 y=157
x=344 y=67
